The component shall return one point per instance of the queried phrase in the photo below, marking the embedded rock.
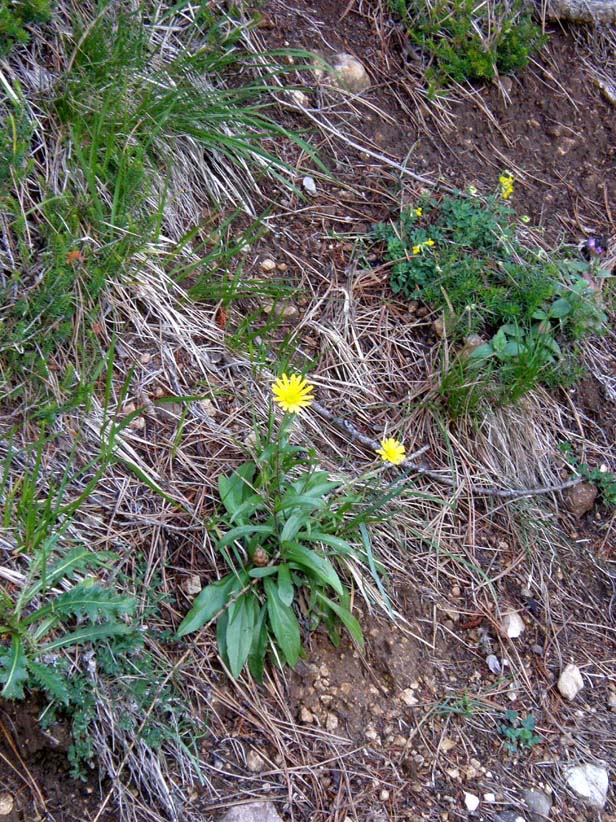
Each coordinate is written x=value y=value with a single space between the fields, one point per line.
x=348 y=73
x=590 y=782
x=581 y=498
x=539 y=804
x=252 y=812
x=583 y=11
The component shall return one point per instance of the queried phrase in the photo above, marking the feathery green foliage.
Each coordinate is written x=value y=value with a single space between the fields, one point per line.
x=467 y=41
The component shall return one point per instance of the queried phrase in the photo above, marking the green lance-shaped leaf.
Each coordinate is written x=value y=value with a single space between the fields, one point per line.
x=208 y=603
x=345 y=616
x=283 y=622
x=318 y=565
x=244 y=531
x=296 y=521
x=256 y=658
x=242 y=617
x=235 y=488
x=341 y=546
x=286 y=591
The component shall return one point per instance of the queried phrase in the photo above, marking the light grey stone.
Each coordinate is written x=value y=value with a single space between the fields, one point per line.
x=509 y=816
x=512 y=624
x=590 y=782
x=539 y=804
x=252 y=812
x=570 y=682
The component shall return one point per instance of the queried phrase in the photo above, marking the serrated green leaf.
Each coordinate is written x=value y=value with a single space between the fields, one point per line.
x=77 y=559
x=51 y=680
x=309 y=560
x=89 y=633
x=241 y=620
x=345 y=616
x=286 y=591
x=87 y=599
x=209 y=602
x=13 y=670
x=284 y=624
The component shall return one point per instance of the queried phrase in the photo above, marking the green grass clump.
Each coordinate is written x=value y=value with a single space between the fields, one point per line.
x=16 y=16
x=98 y=198
x=462 y=255
x=466 y=41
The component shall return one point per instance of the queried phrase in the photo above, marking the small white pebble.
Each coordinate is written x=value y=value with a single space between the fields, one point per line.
x=570 y=682
x=471 y=801
x=310 y=187
x=409 y=698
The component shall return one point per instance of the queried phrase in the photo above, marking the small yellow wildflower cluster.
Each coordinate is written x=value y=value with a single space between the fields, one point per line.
x=292 y=393
x=506 y=184
x=417 y=249
x=418 y=212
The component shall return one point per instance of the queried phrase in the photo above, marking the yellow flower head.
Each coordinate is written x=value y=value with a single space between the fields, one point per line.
x=418 y=212
x=430 y=242
x=292 y=393
x=506 y=184
x=391 y=451
x=416 y=249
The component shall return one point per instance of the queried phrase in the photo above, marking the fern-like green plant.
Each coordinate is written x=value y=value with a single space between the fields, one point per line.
x=55 y=609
